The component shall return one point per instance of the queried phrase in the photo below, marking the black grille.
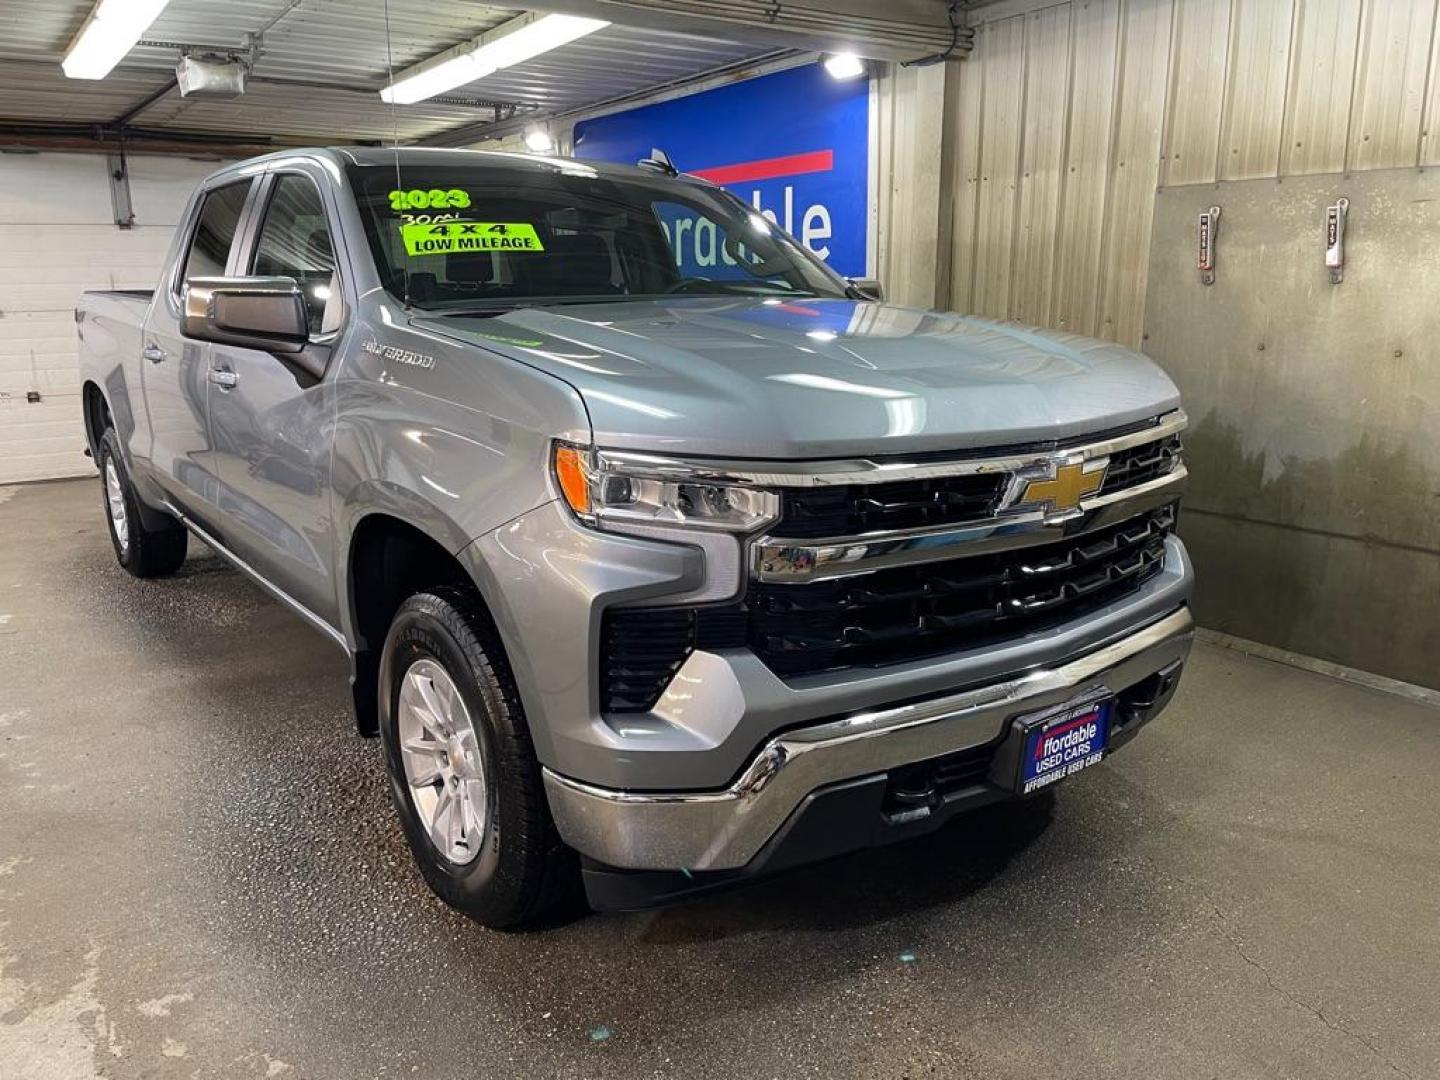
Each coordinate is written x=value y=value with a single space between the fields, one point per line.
x=810 y=513
x=885 y=616
x=910 y=612
x=1132 y=467
x=823 y=512
x=906 y=613
x=642 y=648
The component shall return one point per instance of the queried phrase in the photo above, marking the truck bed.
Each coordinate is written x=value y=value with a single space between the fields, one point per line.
x=124 y=294
x=110 y=326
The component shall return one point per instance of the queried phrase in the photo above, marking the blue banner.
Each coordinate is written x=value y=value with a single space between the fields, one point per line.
x=795 y=145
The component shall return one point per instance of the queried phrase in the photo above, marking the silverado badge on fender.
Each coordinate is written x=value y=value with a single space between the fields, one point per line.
x=399 y=355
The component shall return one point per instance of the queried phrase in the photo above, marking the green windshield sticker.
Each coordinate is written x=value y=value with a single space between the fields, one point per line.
x=433 y=199
x=443 y=237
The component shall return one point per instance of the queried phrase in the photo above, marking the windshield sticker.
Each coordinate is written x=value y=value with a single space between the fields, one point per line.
x=433 y=199
x=442 y=237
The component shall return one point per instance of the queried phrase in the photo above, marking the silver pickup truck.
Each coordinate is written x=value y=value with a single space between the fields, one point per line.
x=663 y=556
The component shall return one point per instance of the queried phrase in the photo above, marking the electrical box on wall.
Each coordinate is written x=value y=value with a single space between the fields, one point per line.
x=1335 y=216
x=216 y=80
x=1207 y=232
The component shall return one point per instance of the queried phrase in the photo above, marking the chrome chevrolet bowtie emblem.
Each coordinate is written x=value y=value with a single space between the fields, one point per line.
x=1067 y=483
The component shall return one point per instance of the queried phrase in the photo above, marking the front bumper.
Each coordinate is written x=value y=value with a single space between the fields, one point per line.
x=728 y=829
x=548 y=583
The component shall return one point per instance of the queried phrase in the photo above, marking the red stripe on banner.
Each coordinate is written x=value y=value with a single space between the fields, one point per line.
x=769 y=168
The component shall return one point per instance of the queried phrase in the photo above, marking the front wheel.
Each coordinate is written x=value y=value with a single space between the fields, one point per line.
x=145 y=552
x=463 y=772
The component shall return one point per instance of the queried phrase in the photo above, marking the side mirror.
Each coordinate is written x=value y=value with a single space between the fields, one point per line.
x=866 y=288
x=252 y=312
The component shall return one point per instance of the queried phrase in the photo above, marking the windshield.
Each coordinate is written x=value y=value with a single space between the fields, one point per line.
x=482 y=237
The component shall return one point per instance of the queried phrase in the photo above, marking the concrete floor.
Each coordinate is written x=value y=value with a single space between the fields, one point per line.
x=200 y=876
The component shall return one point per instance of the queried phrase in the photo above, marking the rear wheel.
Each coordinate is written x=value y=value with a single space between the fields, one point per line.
x=141 y=549
x=463 y=772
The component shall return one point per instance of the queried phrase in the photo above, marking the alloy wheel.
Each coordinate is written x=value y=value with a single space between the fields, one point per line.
x=115 y=498
x=444 y=767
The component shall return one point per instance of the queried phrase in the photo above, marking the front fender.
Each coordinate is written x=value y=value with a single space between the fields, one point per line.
x=386 y=498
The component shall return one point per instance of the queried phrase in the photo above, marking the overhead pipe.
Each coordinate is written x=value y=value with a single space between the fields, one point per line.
x=102 y=138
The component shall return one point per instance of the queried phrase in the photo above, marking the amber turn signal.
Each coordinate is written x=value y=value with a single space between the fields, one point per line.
x=570 y=474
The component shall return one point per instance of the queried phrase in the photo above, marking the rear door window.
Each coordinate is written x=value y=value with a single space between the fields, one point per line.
x=215 y=231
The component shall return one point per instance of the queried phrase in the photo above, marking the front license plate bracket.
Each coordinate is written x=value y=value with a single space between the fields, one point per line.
x=1044 y=747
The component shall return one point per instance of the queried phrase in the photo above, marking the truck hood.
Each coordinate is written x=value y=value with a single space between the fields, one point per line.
x=817 y=378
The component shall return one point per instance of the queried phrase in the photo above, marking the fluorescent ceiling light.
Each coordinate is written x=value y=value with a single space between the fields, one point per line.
x=538 y=140
x=545 y=33
x=510 y=43
x=844 y=66
x=111 y=31
x=446 y=75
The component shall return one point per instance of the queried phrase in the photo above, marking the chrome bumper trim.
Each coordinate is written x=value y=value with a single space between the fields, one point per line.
x=791 y=561
x=720 y=830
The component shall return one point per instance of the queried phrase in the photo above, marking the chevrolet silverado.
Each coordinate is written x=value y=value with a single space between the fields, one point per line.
x=657 y=566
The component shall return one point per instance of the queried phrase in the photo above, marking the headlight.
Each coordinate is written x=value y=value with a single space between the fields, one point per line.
x=634 y=493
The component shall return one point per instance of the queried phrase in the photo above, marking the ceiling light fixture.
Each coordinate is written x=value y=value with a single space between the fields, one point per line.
x=538 y=140
x=508 y=44
x=109 y=33
x=844 y=66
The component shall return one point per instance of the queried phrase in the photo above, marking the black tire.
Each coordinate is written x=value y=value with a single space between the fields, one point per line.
x=523 y=876
x=146 y=552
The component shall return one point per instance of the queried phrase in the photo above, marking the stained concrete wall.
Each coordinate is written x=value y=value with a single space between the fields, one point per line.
x=1314 y=508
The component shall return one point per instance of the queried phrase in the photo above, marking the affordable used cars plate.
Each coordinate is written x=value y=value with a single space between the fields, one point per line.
x=1062 y=743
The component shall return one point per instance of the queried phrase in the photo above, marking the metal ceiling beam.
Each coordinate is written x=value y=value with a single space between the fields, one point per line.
x=903 y=30
x=98 y=138
x=71 y=144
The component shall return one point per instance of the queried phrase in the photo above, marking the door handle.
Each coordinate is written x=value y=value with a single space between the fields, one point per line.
x=226 y=380
x=152 y=352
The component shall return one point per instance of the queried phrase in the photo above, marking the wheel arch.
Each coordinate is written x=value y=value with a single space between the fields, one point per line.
x=387 y=559
x=96 y=412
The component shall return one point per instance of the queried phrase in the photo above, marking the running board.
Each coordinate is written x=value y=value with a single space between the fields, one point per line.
x=260 y=579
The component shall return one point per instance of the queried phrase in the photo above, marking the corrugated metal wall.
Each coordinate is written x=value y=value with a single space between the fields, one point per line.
x=1068 y=116
x=908 y=226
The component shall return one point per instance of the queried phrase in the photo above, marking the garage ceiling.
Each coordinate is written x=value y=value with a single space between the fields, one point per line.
x=319 y=67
